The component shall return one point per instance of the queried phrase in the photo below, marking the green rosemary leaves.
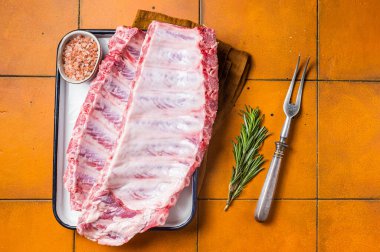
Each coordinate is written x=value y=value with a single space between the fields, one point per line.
x=246 y=152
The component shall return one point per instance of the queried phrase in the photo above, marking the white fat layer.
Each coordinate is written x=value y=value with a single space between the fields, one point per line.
x=169 y=131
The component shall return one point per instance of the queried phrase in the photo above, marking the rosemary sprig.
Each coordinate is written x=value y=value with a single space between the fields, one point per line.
x=246 y=148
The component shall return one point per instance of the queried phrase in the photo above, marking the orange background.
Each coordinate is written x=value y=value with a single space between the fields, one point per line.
x=329 y=190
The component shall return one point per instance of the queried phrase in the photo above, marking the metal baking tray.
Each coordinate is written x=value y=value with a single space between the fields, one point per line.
x=68 y=101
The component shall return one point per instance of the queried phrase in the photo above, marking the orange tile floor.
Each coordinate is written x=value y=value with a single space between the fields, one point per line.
x=328 y=196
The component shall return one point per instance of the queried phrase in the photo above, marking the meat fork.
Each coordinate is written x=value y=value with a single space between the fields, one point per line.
x=266 y=197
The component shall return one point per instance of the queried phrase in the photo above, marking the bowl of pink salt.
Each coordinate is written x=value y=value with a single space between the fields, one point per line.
x=79 y=55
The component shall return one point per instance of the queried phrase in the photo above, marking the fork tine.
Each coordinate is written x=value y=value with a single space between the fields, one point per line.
x=300 y=89
x=291 y=87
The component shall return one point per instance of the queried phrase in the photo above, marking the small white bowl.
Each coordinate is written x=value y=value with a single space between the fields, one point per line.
x=62 y=45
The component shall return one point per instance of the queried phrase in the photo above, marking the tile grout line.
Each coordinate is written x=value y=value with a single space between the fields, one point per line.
x=20 y=199
x=200 y=12
x=197 y=244
x=317 y=137
x=251 y=199
x=74 y=240
x=25 y=76
x=349 y=199
x=319 y=80
x=78 y=14
x=348 y=80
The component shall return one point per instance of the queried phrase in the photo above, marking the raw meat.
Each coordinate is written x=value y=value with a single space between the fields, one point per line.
x=102 y=116
x=171 y=111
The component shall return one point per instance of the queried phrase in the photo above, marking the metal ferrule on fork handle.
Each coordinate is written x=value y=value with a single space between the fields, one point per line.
x=280 y=149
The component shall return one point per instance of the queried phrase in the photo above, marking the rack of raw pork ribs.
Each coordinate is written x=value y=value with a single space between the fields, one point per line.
x=142 y=130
